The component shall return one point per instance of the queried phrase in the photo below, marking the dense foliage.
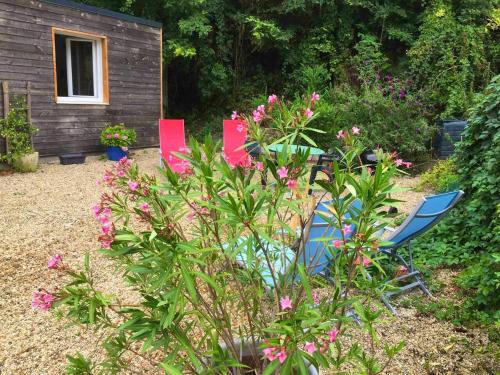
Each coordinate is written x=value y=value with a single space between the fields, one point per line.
x=471 y=235
x=441 y=178
x=220 y=53
x=214 y=256
x=17 y=130
x=118 y=135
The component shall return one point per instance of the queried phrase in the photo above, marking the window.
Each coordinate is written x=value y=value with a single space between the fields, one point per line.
x=80 y=68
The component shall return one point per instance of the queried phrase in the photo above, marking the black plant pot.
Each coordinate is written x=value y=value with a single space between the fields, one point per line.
x=72 y=158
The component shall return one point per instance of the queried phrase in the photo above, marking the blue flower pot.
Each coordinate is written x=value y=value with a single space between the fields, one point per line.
x=115 y=153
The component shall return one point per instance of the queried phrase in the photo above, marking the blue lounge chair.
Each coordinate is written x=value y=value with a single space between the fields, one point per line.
x=315 y=258
x=427 y=214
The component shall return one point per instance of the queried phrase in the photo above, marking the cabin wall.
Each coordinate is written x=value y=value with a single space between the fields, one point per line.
x=134 y=64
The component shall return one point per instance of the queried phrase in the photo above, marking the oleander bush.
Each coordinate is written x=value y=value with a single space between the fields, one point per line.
x=201 y=252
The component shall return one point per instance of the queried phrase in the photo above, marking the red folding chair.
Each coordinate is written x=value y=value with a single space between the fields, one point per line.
x=235 y=136
x=172 y=139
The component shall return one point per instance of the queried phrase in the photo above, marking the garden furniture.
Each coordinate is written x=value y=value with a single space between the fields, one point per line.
x=315 y=258
x=234 y=137
x=427 y=214
x=313 y=151
x=172 y=140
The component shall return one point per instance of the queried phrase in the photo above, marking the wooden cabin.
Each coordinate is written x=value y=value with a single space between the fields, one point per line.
x=85 y=67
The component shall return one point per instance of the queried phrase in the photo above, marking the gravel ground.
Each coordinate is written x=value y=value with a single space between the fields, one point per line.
x=48 y=212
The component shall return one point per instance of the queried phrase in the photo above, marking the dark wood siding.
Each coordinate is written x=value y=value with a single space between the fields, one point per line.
x=134 y=65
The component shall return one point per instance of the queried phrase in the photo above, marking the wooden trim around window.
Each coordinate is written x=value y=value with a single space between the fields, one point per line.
x=161 y=73
x=104 y=58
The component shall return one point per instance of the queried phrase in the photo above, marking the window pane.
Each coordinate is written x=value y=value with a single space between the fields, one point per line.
x=82 y=68
x=61 y=71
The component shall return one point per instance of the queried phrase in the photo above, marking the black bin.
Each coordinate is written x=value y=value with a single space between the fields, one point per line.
x=451 y=133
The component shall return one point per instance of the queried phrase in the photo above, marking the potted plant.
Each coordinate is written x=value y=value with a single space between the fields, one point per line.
x=195 y=306
x=117 y=139
x=18 y=133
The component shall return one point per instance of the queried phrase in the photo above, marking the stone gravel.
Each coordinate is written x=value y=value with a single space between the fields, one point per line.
x=48 y=212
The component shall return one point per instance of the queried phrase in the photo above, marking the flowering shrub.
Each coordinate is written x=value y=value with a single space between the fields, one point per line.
x=215 y=258
x=117 y=135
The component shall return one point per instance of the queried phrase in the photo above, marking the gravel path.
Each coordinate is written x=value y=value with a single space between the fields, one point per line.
x=48 y=212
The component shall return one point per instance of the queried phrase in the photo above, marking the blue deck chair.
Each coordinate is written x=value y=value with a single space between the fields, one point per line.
x=427 y=214
x=315 y=257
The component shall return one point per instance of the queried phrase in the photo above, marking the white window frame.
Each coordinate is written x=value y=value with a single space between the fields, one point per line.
x=98 y=97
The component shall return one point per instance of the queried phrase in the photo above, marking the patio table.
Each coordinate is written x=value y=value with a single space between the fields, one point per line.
x=313 y=151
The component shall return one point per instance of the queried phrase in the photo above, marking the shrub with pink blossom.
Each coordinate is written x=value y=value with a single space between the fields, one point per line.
x=180 y=240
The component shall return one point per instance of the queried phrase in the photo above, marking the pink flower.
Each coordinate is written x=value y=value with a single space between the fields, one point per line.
x=281 y=355
x=399 y=162
x=144 y=207
x=53 y=262
x=106 y=228
x=234 y=115
x=272 y=99
x=257 y=116
x=106 y=244
x=124 y=149
x=106 y=212
x=120 y=173
x=292 y=184
x=355 y=130
x=240 y=127
x=340 y=134
x=96 y=209
x=314 y=97
x=268 y=352
x=109 y=136
x=286 y=303
x=332 y=335
x=103 y=219
x=347 y=230
x=408 y=164
x=124 y=162
x=133 y=186
x=310 y=347
x=125 y=137
x=262 y=109
x=259 y=166
x=116 y=135
x=309 y=113
x=42 y=300
x=370 y=170
x=283 y=172
x=315 y=298
x=366 y=261
x=337 y=244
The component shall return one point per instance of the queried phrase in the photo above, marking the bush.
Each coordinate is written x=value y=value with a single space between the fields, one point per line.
x=118 y=136
x=391 y=117
x=441 y=178
x=17 y=130
x=179 y=243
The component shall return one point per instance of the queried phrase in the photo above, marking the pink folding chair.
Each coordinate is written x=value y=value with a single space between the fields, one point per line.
x=235 y=136
x=172 y=139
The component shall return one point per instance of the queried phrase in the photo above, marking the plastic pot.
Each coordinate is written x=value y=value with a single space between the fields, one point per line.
x=115 y=153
